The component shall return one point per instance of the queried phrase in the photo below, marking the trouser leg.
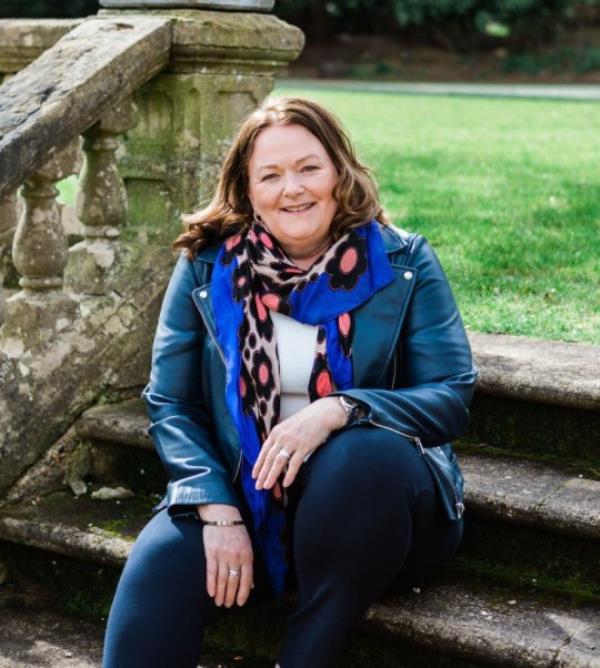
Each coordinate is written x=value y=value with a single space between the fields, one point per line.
x=363 y=495
x=161 y=604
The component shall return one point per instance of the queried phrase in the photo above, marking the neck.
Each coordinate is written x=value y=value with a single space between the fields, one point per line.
x=305 y=259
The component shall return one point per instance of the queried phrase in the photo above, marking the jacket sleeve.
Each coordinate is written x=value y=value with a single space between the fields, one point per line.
x=180 y=425
x=437 y=377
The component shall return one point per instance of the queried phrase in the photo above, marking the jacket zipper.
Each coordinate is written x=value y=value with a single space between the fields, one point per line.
x=460 y=507
x=213 y=336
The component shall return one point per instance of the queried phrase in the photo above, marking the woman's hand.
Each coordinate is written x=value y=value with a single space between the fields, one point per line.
x=225 y=548
x=300 y=435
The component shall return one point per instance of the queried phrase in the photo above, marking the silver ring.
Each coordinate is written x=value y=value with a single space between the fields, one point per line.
x=233 y=572
x=284 y=453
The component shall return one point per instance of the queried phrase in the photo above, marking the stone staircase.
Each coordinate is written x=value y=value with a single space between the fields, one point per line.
x=524 y=589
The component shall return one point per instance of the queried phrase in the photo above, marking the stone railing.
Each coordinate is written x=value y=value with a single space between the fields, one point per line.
x=145 y=103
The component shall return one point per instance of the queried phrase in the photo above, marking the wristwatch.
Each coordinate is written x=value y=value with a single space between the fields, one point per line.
x=351 y=407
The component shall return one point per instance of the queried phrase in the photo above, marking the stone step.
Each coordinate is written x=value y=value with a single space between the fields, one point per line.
x=532 y=494
x=537 y=396
x=82 y=527
x=54 y=640
x=125 y=423
x=498 y=487
x=547 y=372
x=493 y=626
x=46 y=638
x=488 y=625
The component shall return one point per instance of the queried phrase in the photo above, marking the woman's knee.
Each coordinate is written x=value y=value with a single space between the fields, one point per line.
x=166 y=562
x=378 y=465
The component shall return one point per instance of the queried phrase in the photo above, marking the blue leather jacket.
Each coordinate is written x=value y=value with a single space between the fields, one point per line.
x=412 y=367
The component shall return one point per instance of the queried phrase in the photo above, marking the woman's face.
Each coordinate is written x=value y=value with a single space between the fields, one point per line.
x=290 y=168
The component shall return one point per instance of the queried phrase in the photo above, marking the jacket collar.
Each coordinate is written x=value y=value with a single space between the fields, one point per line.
x=394 y=239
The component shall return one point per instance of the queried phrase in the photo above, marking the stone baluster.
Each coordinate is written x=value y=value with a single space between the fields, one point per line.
x=39 y=249
x=101 y=204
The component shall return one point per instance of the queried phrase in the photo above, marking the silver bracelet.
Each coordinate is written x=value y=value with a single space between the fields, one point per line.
x=223 y=523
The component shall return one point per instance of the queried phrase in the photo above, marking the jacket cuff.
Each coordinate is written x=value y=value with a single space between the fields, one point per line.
x=186 y=493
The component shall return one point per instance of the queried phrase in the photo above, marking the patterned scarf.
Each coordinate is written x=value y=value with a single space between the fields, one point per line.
x=252 y=276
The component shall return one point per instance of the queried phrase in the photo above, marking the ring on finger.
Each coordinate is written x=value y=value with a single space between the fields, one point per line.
x=284 y=453
x=232 y=572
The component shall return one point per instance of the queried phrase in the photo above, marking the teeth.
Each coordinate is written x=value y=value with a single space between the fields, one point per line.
x=298 y=208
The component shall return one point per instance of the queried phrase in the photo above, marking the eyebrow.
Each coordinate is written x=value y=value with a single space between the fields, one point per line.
x=306 y=157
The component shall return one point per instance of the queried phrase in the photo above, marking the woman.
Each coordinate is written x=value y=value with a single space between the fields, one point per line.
x=305 y=351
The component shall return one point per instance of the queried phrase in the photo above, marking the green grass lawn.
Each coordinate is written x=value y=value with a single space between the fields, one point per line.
x=506 y=191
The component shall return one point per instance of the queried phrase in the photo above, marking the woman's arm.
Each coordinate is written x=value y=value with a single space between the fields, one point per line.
x=181 y=428
x=437 y=372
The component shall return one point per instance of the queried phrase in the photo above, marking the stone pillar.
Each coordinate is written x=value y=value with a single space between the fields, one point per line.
x=39 y=253
x=101 y=204
x=223 y=63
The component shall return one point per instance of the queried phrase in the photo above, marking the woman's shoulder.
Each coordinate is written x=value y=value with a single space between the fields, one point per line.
x=400 y=243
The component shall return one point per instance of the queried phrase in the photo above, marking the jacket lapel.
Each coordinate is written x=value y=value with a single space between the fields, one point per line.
x=377 y=327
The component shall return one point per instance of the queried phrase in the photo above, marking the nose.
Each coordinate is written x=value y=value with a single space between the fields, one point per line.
x=292 y=185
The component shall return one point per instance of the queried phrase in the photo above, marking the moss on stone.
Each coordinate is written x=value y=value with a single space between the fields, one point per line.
x=568 y=434
x=529 y=560
x=571 y=465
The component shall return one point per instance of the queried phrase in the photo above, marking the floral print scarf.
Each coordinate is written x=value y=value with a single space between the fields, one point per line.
x=253 y=276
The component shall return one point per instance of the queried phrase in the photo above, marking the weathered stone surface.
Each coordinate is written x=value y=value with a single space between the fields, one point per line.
x=24 y=40
x=72 y=85
x=257 y=43
x=574 y=507
x=48 y=639
x=39 y=250
x=125 y=423
x=112 y=494
x=222 y=66
x=451 y=618
x=187 y=121
x=93 y=544
x=520 y=425
x=486 y=628
x=532 y=494
x=50 y=472
x=551 y=372
x=237 y=5
x=583 y=646
x=94 y=530
x=55 y=374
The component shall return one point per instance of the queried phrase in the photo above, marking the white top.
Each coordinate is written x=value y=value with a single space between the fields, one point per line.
x=296 y=344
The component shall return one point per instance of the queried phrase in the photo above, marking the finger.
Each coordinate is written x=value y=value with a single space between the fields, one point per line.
x=293 y=467
x=245 y=584
x=211 y=574
x=233 y=583
x=221 y=583
x=261 y=457
x=267 y=465
x=278 y=468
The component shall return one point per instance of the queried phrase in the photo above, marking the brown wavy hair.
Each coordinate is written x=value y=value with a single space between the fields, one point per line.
x=230 y=209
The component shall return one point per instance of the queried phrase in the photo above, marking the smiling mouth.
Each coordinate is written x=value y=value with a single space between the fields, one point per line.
x=302 y=210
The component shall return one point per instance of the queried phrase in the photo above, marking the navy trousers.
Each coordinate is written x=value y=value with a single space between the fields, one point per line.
x=364 y=518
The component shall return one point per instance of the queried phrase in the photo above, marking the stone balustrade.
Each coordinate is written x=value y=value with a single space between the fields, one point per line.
x=146 y=100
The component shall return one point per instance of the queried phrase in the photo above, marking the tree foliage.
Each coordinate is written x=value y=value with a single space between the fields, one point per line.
x=458 y=24
x=47 y=8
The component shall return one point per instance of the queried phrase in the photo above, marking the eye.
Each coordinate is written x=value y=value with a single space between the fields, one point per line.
x=268 y=176
x=310 y=167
